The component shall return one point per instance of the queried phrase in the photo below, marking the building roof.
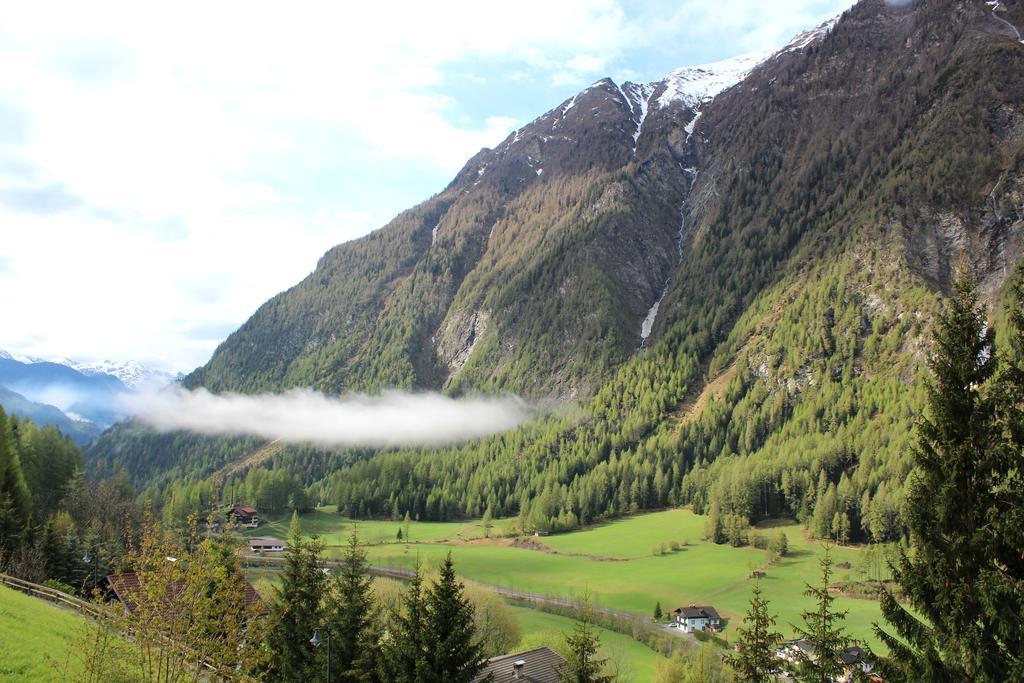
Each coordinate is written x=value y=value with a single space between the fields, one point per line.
x=128 y=587
x=697 y=612
x=852 y=655
x=243 y=510
x=538 y=666
x=802 y=644
x=267 y=540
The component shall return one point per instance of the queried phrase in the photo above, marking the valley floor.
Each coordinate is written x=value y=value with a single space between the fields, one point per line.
x=616 y=564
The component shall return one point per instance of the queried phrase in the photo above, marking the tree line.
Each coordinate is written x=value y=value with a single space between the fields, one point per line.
x=957 y=616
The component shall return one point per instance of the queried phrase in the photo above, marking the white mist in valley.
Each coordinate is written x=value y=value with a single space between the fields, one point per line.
x=301 y=415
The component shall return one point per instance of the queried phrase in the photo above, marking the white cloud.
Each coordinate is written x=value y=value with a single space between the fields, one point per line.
x=391 y=419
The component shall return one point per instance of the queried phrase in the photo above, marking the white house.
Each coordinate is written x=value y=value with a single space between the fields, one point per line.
x=697 y=618
x=265 y=544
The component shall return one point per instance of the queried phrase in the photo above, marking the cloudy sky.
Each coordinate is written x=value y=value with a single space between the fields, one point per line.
x=165 y=171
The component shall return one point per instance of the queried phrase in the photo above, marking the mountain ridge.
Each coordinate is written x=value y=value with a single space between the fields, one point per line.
x=797 y=240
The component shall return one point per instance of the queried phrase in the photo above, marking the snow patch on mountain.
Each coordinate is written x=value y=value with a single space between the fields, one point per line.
x=811 y=36
x=637 y=97
x=695 y=85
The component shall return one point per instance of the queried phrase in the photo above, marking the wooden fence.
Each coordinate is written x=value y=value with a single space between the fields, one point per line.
x=47 y=593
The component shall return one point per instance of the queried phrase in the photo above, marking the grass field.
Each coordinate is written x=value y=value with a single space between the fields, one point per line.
x=615 y=565
x=334 y=530
x=636 y=662
x=32 y=633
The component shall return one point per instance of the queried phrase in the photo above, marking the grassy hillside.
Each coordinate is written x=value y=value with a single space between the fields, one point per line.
x=634 y=661
x=37 y=638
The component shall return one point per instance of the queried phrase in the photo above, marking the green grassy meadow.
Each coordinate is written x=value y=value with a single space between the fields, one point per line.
x=334 y=530
x=615 y=565
x=636 y=662
x=34 y=633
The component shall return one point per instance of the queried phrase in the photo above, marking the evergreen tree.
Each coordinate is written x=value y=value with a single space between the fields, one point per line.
x=455 y=655
x=15 y=501
x=350 y=612
x=297 y=610
x=658 y=614
x=487 y=522
x=755 y=660
x=824 y=628
x=963 y=510
x=583 y=664
x=403 y=658
x=1001 y=583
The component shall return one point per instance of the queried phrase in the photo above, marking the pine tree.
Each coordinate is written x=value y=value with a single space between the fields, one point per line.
x=963 y=576
x=658 y=614
x=755 y=658
x=350 y=609
x=487 y=522
x=583 y=665
x=403 y=658
x=15 y=501
x=824 y=628
x=297 y=610
x=454 y=655
x=1001 y=584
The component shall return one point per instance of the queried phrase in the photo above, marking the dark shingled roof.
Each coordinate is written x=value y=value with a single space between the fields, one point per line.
x=539 y=666
x=696 y=612
x=127 y=587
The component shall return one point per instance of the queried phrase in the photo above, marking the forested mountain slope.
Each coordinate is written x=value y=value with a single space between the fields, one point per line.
x=803 y=229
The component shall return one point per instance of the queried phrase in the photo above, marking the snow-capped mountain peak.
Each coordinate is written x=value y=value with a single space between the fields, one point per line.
x=695 y=85
x=132 y=374
x=20 y=357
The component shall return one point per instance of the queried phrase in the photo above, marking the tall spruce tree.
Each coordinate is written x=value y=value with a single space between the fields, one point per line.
x=350 y=613
x=15 y=501
x=404 y=652
x=963 y=574
x=583 y=665
x=755 y=657
x=455 y=654
x=1001 y=583
x=823 y=626
x=297 y=611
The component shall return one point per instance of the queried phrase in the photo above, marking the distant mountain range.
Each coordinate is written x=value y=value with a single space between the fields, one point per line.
x=82 y=399
x=132 y=374
x=80 y=431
